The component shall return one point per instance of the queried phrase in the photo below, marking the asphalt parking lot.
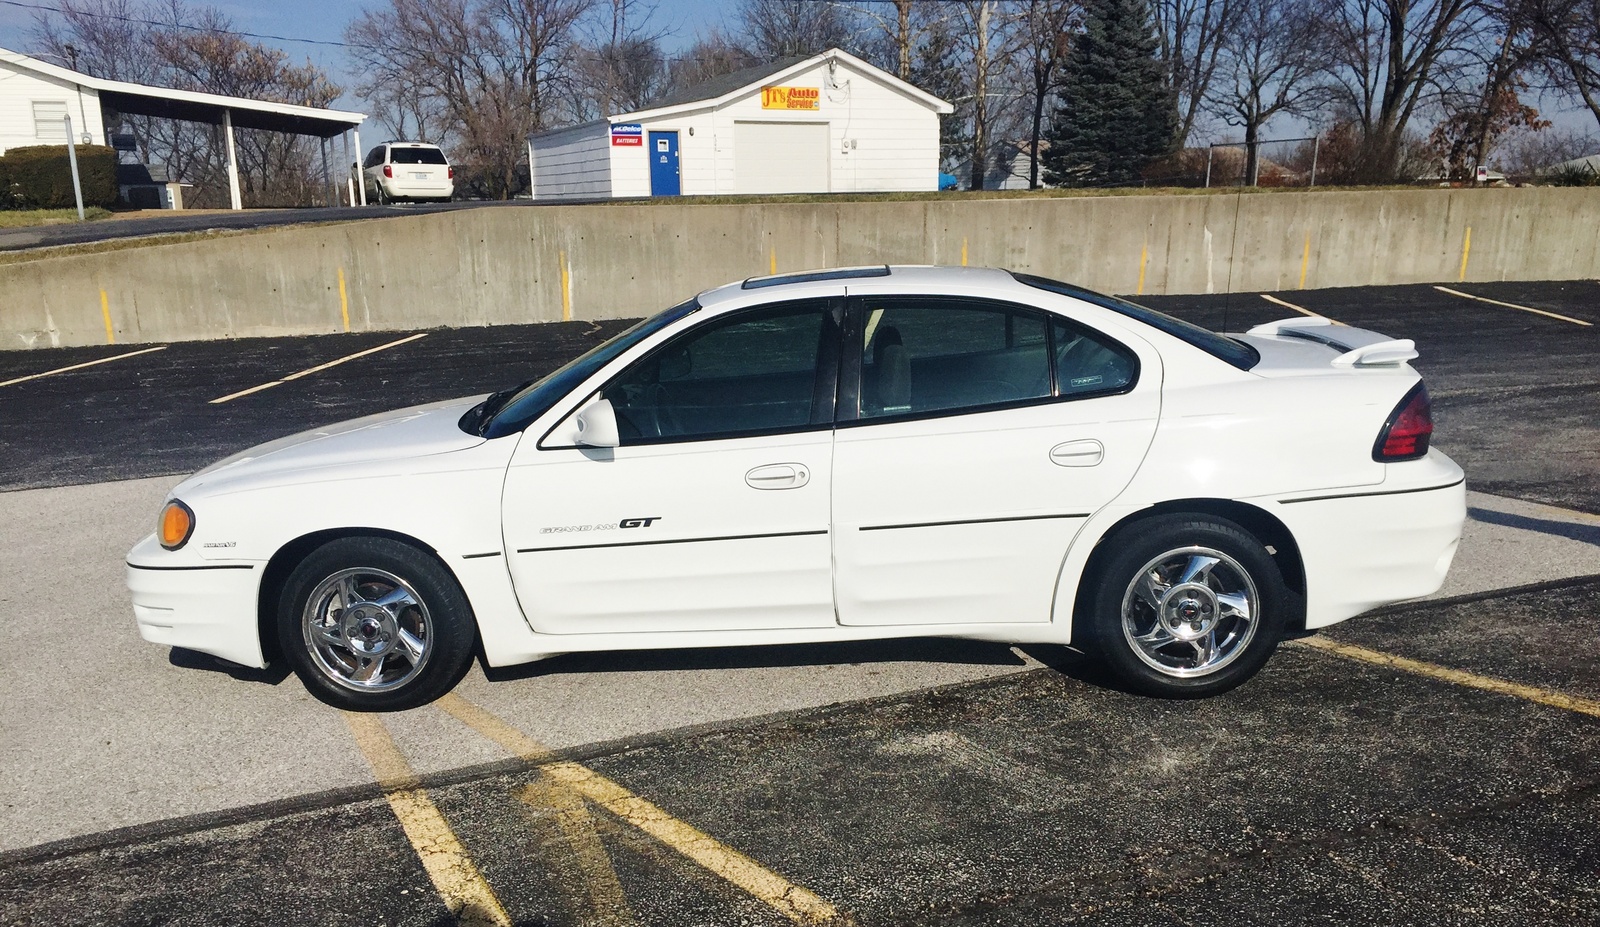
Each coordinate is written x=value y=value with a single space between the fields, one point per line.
x=1437 y=762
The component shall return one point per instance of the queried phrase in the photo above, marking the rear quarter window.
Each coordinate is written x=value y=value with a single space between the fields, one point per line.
x=1236 y=353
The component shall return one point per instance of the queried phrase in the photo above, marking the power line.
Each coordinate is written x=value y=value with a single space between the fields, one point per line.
x=133 y=20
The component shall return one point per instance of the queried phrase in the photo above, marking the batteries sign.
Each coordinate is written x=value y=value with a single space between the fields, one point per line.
x=627 y=134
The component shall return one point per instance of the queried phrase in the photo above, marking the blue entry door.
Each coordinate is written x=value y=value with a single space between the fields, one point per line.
x=664 y=164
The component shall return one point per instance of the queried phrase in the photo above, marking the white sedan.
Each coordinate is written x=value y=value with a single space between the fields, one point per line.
x=840 y=455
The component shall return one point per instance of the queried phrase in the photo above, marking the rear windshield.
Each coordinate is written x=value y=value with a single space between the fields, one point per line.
x=416 y=156
x=1237 y=353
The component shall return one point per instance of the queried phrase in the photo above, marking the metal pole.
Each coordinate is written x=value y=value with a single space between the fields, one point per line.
x=327 y=178
x=233 y=161
x=1210 y=149
x=72 y=157
x=1316 y=142
x=361 y=181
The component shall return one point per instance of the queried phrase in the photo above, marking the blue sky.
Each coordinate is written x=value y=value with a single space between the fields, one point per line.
x=326 y=20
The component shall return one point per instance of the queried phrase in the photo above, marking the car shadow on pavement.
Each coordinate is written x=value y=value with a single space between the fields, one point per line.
x=1075 y=664
x=909 y=650
x=1588 y=534
x=193 y=659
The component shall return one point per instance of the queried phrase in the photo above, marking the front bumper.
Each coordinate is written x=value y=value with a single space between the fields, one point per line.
x=209 y=606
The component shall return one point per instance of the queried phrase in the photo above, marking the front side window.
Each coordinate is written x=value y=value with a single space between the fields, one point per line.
x=923 y=355
x=750 y=373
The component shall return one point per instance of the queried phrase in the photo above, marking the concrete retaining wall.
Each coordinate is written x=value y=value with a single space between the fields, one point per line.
x=529 y=264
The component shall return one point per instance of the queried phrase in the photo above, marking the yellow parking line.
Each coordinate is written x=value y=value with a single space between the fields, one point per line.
x=1496 y=302
x=103 y=360
x=317 y=369
x=1300 y=309
x=105 y=313
x=461 y=886
x=789 y=899
x=599 y=877
x=1459 y=677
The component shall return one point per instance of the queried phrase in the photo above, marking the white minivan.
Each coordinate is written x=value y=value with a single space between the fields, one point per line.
x=408 y=171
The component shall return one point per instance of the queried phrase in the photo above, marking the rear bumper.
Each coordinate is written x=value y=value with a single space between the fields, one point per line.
x=1386 y=544
x=418 y=188
x=206 y=606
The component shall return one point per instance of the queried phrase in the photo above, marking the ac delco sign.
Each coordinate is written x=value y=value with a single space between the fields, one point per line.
x=627 y=135
x=791 y=97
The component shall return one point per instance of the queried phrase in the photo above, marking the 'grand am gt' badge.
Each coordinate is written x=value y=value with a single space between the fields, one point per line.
x=625 y=523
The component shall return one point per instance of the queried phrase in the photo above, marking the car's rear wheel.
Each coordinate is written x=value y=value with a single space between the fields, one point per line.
x=1186 y=607
x=373 y=624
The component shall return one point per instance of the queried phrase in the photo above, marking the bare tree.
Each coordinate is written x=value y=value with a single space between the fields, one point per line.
x=1043 y=37
x=1387 y=57
x=1267 y=66
x=620 y=65
x=711 y=56
x=773 y=29
x=494 y=70
x=1191 y=34
x=1565 y=35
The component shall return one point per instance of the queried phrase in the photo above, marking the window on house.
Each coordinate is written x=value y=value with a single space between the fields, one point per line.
x=49 y=121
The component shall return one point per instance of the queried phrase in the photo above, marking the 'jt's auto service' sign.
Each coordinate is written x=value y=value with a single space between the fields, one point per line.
x=790 y=97
x=627 y=134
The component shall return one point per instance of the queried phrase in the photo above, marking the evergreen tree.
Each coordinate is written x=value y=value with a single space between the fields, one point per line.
x=1116 y=112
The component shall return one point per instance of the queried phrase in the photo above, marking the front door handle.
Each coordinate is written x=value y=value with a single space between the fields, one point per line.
x=1085 y=453
x=779 y=476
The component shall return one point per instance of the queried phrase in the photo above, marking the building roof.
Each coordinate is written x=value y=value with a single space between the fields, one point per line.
x=722 y=86
x=724 y=89
x=194 y=106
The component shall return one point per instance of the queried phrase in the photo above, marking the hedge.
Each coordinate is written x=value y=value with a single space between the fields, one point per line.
x=40 y=177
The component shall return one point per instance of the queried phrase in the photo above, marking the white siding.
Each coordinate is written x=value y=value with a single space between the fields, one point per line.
x=572 y=164
x=20 y=89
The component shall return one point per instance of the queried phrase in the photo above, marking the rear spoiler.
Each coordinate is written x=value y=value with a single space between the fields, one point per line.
x=1359 y=347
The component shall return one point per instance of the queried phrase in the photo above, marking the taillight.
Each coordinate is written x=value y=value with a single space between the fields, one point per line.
x=388 y=171
x=451 y=172
x=1405 y=435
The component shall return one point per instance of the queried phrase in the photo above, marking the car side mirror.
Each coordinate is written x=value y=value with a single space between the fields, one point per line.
x=597 y=425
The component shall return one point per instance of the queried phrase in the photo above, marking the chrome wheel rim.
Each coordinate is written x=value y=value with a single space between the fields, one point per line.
x=1190 y=612
x=367 y=630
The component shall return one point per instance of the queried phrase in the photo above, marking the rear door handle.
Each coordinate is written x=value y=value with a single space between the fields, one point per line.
x=1085 y=453
x=779 y=476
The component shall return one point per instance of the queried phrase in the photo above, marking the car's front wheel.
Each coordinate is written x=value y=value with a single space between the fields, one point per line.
x=373 y=624
x=1186 y=607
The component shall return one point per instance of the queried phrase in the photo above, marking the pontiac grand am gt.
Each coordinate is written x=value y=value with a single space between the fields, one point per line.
x=840 y=455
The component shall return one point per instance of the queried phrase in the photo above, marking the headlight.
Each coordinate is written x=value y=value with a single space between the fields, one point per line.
x=175 y=525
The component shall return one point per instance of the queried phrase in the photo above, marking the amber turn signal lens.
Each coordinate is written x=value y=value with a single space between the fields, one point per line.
x=175 y=526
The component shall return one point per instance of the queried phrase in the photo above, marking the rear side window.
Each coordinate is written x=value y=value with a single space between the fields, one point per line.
x=926 y=356
x=416 y=156
x=1226 y=349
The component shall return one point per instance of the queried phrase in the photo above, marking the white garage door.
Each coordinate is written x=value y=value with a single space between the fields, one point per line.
x=780 y=157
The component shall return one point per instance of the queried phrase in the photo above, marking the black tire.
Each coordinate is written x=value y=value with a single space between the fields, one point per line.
x=1172 y=638
x=404 y=636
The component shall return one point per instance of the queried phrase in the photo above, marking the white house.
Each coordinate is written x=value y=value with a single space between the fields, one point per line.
x=831 y=123
x=36 y=96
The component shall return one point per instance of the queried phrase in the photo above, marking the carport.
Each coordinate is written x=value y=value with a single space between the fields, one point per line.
x=194 y=106
x=228 y=112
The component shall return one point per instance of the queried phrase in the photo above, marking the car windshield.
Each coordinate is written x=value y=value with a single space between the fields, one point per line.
x=1223 y=348
x=416 y=156
x=516 y=408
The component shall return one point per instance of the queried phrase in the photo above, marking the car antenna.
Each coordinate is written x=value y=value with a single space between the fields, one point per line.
x=1233 y=256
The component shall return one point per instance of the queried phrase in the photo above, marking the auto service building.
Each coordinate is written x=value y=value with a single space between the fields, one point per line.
x=831 y=123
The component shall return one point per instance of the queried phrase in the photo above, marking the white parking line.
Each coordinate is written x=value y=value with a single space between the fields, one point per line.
x=317 y=369
x=1485 y=299
x=1300 y=309
x=103 y=360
